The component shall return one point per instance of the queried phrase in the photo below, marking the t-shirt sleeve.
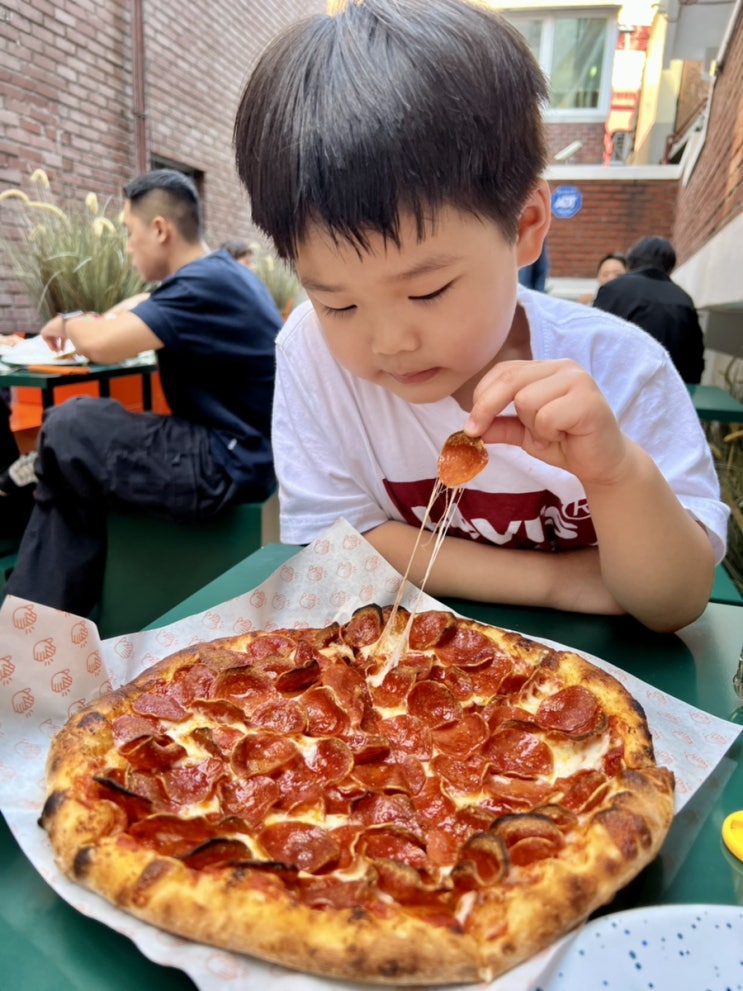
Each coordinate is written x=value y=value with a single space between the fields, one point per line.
x=316 y=481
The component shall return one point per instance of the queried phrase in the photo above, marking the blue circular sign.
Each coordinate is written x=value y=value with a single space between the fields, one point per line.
x=566 y=201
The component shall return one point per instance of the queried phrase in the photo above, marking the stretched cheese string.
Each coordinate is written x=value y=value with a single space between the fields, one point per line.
x=397 y=643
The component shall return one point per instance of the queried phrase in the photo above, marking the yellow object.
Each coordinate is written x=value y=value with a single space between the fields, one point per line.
x=732 y=833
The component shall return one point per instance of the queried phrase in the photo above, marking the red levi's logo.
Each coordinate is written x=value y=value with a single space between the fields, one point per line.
x=523 y=520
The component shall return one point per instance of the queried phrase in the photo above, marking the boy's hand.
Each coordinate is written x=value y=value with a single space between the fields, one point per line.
x=562 y=418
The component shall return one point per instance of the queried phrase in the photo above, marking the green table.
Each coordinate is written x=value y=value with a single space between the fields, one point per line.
x=715 y=404
x=47 y=382
x=47 y=946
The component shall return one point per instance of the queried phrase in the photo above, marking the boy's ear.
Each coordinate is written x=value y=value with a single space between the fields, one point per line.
x=534 y=223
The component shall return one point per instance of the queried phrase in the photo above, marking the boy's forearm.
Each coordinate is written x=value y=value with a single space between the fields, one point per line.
x=484 y=573
x=656 y=560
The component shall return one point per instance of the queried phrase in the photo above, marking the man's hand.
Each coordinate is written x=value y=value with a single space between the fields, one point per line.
x=53 y=333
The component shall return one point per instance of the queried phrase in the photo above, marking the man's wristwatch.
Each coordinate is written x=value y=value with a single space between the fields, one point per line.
x=70 y=316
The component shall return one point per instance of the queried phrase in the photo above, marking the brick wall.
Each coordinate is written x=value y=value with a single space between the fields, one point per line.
x=66 y=100
x=714 y=193
x=613 y=215
x=592 y=135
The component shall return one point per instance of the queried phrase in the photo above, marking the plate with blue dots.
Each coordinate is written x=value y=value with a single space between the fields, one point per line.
x=664 y=948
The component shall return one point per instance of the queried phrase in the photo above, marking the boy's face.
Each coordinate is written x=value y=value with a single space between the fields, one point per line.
x=425 y=320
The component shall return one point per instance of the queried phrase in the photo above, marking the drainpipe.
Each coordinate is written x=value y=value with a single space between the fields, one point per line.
x=139 y=104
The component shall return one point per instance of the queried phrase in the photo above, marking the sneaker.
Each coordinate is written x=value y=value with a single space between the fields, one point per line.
x=20 y=475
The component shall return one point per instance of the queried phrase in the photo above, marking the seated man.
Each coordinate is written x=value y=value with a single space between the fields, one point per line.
x=648 y=297
x=212 y=324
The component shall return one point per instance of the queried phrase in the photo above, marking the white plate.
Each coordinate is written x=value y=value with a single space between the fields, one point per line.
x=664 y=948
x=35 y=351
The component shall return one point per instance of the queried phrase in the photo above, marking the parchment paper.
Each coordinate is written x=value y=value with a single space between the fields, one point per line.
x=52 y=663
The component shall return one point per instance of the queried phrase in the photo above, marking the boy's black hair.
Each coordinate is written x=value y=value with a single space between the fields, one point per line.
x=390 y=106
x=172 y=194
x=652 y=252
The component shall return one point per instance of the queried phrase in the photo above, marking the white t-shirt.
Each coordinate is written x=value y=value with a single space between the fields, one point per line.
x=344 y=447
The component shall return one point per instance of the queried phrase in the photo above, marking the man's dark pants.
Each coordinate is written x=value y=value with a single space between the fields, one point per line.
x=95 y=455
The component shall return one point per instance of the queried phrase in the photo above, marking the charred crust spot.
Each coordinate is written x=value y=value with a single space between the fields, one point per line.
x=358 y=914
x=153 y=873
x=52 y=805
x=92 y=721
x=83 y=860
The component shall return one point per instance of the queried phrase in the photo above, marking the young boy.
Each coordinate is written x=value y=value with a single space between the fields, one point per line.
x=394 y=153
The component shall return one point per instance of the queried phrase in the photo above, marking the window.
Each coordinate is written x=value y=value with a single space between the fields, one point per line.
x=575 y=53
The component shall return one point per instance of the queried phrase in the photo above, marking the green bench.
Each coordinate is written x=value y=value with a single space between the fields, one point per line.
x=152 y=564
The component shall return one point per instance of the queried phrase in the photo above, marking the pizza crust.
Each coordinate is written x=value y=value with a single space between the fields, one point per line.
x=250 y=910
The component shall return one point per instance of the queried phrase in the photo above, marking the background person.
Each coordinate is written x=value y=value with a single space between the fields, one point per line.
x=415 y=327
x=240 y=251
x=646 y=296
x=212 y=324
x=610 y=266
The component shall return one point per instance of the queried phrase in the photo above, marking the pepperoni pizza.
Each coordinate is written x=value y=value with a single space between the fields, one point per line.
x=293 y=796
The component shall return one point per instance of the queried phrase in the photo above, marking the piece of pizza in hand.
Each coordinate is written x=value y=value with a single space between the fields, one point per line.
x=265 y=793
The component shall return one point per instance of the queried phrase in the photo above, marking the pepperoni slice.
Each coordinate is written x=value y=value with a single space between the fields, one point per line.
x=332 y=761
x=299 y=786
x=171 y=835
x=427 y=628
x=459 y=682
x=529 y=837
x=390 y=843
x=385 y=810
x=300 y=844
x=193 y=682
x=244 y=683
x=462 y=458
x=217 y=740
x=484 y=862
x=574 y=710
x=262 y=753
x=134 y=806
x=161 y=706
x=324 y=716
x=126 y=728
x=519 y=752
x=216 y=853
x=152 y=753
x=248 y=798
x=465 y=647
x=285 y=716
x=192 y=783
x=584 y=790
x=395 y=687
x=305 y=672
x=460 y=739
x=322 y=892
x=364 y=627
x=349 y=690
x=433 y=704
x=382 y=778
x=464 y=776
x=270 y=645
x=410 y=734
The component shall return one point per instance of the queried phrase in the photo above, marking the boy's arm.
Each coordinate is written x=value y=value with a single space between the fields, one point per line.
x=655 y=561
x=470 y=570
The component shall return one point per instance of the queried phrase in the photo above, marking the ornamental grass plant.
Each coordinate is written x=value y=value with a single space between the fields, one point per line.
x=279 y=278
x=67 y=255
x=726 y=442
